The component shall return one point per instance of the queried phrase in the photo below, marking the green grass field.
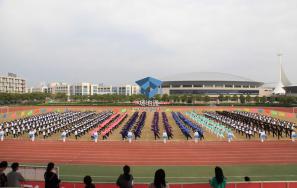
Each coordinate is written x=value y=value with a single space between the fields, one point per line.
x=181 y=174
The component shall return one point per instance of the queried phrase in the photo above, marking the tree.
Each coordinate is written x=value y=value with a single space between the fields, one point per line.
x=198 y=98
x=242 y=99
x=60 y=96
x=206 y=98
x=257 y=99
x=221 y=97
x=175 y=98
x=226 y=98
x=248 y=98
x=263 y=99
x=165 y=97
x=235 y=98
x=184 y=98
x=158 y=97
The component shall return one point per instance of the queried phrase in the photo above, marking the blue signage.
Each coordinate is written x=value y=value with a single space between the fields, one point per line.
x=149 y=86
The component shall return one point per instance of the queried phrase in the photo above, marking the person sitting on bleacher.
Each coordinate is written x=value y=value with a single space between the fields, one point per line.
x=159 y=180
x=219 y=181
x=14 y=177
x=51 y=178
x=125 y=180
x=88 y=182
x=3 y=178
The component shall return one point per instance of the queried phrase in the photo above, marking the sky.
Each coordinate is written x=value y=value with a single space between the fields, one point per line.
x=121 y=41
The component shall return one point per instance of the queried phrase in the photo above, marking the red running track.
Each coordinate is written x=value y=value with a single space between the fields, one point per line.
x=149 y=153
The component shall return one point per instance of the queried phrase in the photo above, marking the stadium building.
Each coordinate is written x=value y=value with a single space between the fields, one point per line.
x=291 y=90
x=212 y=84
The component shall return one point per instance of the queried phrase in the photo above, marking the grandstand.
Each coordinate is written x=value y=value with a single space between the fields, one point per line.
x=210 y=83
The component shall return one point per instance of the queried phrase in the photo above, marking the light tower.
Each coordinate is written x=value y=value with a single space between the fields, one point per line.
x=283 y=80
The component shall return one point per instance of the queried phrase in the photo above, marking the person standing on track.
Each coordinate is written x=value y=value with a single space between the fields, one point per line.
x=262 y=135
x=130 y=136
x=1 y=135
x=95 y=136
x=32 y=135
x=63 y=135
x=75 y=134
x=44 y=134
x=196 y=136
x=230 y=136
x=165 y=137
x=294 y=136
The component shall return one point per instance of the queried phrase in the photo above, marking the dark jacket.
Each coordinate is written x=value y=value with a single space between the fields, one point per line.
x=123 y=182
x=51 y=180
x=3 y=180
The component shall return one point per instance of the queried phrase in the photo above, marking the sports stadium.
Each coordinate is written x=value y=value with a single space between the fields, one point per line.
x=210 y=83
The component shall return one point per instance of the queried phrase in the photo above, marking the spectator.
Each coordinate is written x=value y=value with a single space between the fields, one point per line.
x=159 y=181
x=88 y=182
x=219 y=181
x=3 y=178
x=14 y=177
x=51 y=178
x=125 y=180
x=246 y=178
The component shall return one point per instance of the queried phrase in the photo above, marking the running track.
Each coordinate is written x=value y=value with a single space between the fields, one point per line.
x=149 y=153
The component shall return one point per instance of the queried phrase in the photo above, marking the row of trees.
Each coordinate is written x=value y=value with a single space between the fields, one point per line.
x=29 y=98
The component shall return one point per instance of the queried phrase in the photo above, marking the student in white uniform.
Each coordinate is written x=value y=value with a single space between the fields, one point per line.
x=130 y=135
x=14 y=132
x=165 y=137
x=75 y=134
x=95 y=136
x=294 y=136
x=63 y=135
x=1 y=135
x=262 y=135
x=32 y=135
x=230 y=136
x=44 y=134
x=196 y=136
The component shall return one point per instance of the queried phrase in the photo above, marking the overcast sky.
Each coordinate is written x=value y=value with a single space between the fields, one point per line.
x=120 y=41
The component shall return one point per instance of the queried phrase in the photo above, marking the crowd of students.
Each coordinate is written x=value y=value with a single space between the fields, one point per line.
x=46 y=125
x=253 y=124
x=125 y=180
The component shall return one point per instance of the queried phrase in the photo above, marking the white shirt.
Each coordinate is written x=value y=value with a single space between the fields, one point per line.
x=196 y=134
x=63 y=134
x=164 y=135
x=129 y=134
x=31 y=133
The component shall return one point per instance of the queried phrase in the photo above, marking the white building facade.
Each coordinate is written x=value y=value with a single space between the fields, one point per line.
x=119 y=90
x=12 y=84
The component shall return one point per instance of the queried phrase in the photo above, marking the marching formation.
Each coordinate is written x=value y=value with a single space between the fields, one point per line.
x=222 y=124
x=253 y=124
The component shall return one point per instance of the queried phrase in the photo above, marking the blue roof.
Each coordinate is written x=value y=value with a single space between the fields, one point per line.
x=149 y=86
